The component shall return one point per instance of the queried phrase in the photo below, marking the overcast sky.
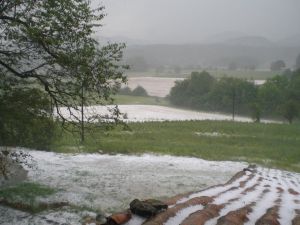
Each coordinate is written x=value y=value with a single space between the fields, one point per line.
x=190 y=21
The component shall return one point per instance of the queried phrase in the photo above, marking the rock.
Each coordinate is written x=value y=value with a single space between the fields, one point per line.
x=16 y=174
x=119 y=218
x=147 y=208
x=142 y=209
x=159 y=205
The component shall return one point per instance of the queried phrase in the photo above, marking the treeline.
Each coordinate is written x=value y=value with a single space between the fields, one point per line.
x=278 y=96
x=138 y=91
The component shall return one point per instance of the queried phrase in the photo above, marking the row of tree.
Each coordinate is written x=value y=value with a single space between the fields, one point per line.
x=278 y=96
x=138 y=91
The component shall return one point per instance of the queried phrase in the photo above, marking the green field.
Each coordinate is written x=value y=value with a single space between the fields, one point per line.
x=272 y=145
x=244 y=74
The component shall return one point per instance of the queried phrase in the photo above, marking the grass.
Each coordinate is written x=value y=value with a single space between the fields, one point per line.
x=272 y=145
x=24 y=197
x=139 y=100
x=27 y=192
x=244 y=74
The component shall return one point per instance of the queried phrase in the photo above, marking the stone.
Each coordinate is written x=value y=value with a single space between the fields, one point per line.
x=144 y=209
x=159 y=205
x=119 y=218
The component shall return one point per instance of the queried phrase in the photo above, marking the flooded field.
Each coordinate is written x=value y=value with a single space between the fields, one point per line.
x=144 y=113
x=108 y=183
x=155 y=86
x=160 y=86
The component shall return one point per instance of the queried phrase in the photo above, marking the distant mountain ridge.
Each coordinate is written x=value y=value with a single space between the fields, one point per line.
x=122 y=39
x=255 y=41
x=225 y=38
x=244 y=54
x=219 y=51
x=293 y=40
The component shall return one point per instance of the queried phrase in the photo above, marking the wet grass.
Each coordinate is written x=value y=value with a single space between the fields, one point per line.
x=25 y=191
x=23 y=196
x=272 y=145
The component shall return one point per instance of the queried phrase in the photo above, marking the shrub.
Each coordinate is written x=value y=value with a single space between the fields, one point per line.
x=139 y=91
x=25 y=118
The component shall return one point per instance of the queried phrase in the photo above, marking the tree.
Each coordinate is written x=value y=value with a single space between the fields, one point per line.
x=200 y=83
x=25 y=118
x=125 y=91
x=233 y=95
x=297 y=66
x=294 y=86
x=291 y=106
x=48 y=45
x=178 y=94
x=287 y=73
x=290 y=110
x=139 y=91
x=193 y=91
x=277 y=65
x=255 y=112
x=272 y=94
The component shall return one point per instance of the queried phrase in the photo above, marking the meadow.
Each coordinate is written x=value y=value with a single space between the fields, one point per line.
x=271 y=145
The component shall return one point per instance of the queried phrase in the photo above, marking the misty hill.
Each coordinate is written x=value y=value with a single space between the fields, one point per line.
x=219 y=51
x=293 y=40
x=238 y=39
x=223 y=36
x=251 y=41
x=245 y=52
x=122 y=39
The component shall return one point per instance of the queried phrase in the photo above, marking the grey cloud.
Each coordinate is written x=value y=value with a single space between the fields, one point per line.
x=190 y=21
